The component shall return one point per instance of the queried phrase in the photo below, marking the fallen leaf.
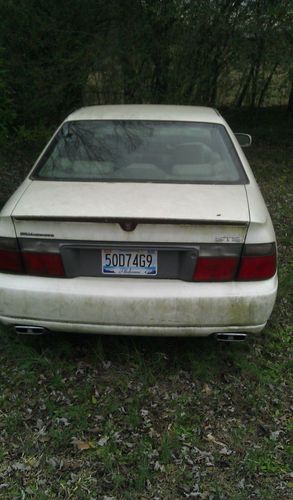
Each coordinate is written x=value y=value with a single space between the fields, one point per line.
x=225 y=451
x=62 y=421
x=159 y=467
x=106 y=364
x=95 y=430
x=207 y=389
x=274 y=435
x=211 y=438
x=103 y=441
x=43 y=439
x=241 y=483
x=20 y=466
x=82 y=445
x=40 y=423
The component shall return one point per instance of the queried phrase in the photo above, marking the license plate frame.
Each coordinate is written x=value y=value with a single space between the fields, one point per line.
x=129 y=262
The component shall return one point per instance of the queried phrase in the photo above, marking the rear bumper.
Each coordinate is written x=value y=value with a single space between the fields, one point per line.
x=136 y=306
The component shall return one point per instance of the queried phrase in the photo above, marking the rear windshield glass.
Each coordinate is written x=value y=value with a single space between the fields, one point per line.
x=141 y=151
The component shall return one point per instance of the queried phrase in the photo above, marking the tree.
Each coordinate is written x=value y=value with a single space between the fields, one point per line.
x=210 y=52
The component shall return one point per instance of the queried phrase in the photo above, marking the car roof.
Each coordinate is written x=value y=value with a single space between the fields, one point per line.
x=159 y=112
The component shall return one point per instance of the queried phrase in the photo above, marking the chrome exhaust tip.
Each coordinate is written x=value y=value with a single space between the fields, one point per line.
x=29 y=330
x=231 y=337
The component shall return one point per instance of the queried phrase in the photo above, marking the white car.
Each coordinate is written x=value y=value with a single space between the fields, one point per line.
x=139 y=219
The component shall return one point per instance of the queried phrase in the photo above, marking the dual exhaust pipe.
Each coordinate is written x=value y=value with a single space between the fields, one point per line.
x=231 y=337
x=30 y=330
x=39 y=330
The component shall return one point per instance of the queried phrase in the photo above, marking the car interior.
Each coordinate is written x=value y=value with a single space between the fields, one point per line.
x=131 y=156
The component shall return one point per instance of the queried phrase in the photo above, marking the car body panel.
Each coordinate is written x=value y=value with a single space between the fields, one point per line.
x=171 y=305
x=144 y=231
x=48 y=214
x=160 y=112
x=133 y=200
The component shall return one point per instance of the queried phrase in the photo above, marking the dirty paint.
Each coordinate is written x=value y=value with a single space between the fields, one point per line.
x=124 y=303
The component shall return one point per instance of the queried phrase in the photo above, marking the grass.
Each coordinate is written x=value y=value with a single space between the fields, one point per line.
x=86 y=417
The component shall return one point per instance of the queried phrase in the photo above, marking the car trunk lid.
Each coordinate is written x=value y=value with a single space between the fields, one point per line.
x=90 y=200
x=132 y=212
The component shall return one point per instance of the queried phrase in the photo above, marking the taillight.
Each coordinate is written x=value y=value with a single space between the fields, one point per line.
x=43 y=264
x=216 y=268
x=217 y=263
x=10 y=257
x=13 y=260
x=258 y=262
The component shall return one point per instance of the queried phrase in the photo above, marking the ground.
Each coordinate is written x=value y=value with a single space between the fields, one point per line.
x=140 y=418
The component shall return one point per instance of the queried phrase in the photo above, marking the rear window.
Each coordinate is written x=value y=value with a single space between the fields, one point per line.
x=141 y=151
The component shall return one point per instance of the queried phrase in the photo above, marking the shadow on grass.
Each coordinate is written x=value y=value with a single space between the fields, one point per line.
x=150 y=358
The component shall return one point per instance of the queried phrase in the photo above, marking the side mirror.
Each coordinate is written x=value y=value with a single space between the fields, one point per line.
x=245 y=140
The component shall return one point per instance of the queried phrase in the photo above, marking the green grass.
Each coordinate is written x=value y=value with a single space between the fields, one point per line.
x=164 y=431
x=159 y=418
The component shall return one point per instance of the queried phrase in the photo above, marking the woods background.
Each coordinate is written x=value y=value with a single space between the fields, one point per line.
x=57 y=56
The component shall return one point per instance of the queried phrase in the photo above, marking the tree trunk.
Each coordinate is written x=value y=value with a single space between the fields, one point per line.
x=244 y=90
x=290 y=100
x=266 y=85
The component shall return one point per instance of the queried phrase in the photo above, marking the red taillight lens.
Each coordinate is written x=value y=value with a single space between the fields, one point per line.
x=43 y=264
x=257 y=267
x=216 y=268
x=258 y=262
x=10 y=261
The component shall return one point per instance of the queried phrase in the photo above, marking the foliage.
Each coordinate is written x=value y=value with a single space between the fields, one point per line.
x=7 y=111
x=54 y=59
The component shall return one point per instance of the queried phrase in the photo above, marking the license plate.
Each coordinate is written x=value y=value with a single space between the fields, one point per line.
x=140 y=262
